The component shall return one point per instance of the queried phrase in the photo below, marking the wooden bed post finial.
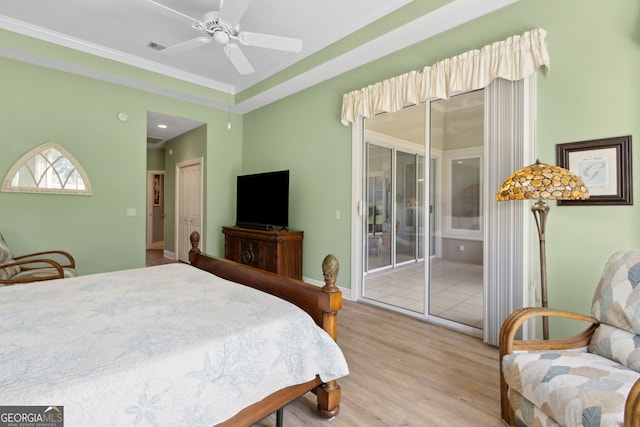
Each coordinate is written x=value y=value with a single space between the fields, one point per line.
x=195 y=242
x=330 y=269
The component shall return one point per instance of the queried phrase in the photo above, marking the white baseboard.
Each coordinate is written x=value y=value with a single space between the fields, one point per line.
x=169 y=254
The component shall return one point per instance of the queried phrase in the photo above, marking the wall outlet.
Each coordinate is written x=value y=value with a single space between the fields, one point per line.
x=460 y=248
x=131 y=211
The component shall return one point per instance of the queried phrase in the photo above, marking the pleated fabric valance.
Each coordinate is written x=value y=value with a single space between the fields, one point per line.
x=510 y=59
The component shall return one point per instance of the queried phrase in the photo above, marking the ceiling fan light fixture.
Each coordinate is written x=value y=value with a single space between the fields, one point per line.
x=221 y=37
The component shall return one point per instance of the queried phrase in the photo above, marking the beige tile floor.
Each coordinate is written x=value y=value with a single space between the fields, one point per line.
x=456 y=290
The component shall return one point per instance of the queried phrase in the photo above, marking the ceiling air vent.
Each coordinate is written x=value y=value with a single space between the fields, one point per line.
x=156 y=46
x=153 y=140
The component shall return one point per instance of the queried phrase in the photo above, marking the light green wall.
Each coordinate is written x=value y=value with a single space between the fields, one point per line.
x=155 y=159
x=44 y=53
x=39 y=105
x=302 y=133
x=591 y=91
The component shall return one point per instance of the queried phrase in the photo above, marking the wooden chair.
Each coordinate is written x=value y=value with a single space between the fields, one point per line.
x=592 y=378
x=34 y=267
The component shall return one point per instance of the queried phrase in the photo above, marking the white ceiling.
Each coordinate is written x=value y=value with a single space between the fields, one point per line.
x=162 y=127
x=121 y=30
x=124 y=29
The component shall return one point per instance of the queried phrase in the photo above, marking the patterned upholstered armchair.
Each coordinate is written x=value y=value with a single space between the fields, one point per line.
x=34 y=267
x=590 y=379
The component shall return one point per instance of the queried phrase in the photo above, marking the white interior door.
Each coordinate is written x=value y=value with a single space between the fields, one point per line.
x=189 y=204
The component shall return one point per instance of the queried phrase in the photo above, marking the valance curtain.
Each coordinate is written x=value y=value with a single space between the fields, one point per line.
x=510 y=59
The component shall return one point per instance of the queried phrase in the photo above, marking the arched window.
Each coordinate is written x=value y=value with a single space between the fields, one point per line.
x=48 y=168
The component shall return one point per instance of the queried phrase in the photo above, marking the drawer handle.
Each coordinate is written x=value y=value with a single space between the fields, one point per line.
x=246 y=257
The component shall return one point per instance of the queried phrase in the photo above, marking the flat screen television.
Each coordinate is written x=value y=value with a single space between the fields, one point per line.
x=263 y=201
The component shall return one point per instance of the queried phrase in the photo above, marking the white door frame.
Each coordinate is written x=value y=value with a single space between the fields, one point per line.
x=358 y=208
x=177 y=237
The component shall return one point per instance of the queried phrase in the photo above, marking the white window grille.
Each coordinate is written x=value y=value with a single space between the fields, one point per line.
x=48 y=168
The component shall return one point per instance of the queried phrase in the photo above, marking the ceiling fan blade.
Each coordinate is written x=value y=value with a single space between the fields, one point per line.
x=232 y=10
x=193 y=21
x=270 y=42
x=186 y=45
x=237 y=58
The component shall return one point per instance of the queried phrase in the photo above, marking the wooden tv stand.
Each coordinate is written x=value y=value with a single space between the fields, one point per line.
x=276 y=251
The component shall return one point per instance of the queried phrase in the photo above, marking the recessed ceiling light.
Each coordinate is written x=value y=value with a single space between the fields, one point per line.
x=162 y=126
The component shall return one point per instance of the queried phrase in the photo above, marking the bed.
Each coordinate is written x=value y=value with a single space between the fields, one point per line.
x=172 y=344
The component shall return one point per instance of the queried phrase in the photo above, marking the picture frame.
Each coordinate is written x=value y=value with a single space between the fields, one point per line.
x=605 y=167
x=157 y=189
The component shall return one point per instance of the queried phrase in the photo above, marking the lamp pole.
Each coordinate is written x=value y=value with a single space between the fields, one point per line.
x=540 y=210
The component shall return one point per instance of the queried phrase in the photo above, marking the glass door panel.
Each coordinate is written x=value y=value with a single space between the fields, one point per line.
x=394 y=269
x=409 y=206
x=456 y=261
x=378 y=246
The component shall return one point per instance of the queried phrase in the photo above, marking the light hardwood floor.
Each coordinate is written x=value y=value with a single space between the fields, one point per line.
x=156 y=257
x=404 y=372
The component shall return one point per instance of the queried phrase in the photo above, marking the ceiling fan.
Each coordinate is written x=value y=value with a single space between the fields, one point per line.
x=223 y=28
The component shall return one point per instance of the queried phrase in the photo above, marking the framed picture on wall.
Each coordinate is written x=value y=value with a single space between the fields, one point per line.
x=157 y=189
x=605 y=167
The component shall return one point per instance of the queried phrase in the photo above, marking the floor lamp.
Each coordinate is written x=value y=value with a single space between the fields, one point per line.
x=541 y=182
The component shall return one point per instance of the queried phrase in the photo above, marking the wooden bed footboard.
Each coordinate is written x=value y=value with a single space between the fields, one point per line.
x=322 y=304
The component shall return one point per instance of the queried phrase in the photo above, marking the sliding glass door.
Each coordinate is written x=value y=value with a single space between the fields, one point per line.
x=458 y=276
x=395 y=207
x=395 y=226
x=402 y=205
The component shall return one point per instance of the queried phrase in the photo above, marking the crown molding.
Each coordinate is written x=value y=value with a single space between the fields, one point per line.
x=436 y=22
x=84 y=46
x=449 y=16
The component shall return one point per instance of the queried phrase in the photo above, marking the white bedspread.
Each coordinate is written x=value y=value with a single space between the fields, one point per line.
x=164 y=346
